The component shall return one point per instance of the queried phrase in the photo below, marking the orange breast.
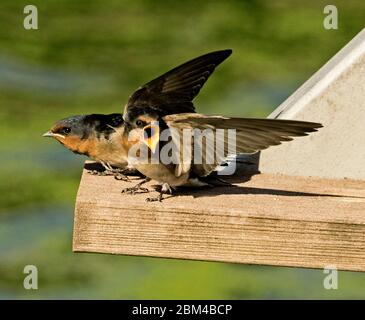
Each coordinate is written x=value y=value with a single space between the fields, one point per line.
x=75 y=144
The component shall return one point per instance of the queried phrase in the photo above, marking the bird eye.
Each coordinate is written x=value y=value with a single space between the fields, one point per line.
x=139 y=123
x=66 y=130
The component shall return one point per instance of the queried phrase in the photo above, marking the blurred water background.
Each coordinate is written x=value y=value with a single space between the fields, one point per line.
x=87 y=57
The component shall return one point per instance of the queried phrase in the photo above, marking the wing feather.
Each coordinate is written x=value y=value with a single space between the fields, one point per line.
x=252 y=135
x=174 y=91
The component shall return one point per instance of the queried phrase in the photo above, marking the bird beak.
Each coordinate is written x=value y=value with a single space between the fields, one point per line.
x=151 y=135
x=48 y=134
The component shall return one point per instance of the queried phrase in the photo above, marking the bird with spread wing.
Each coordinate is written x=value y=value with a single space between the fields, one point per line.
x=166 y=103
x=104 y=137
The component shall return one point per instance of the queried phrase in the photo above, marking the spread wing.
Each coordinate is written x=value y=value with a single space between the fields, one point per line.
x=174 y=91
x=251 y=135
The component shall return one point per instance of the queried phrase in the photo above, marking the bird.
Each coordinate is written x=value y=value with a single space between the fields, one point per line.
x=183 y=169
x=93 y=135
x=165 y=104
x=104 y=137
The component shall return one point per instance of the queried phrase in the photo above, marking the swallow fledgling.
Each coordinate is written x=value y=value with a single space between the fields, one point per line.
x=93 y=135
x=104 y=138
x=250 y=136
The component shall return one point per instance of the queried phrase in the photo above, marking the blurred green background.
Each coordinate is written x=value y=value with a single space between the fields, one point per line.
x=87 y=57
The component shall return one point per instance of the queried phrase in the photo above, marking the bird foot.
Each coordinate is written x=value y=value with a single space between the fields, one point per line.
x=137 y=188
x=97 y=173
x=121 y=176
x=153 y=199
x=165 y=189
x=118 y=174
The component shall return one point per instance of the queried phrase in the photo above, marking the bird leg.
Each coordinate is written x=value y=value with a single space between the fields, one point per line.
x=107 y=166
x=119 y=174
x=165 y=189
x=137 y=187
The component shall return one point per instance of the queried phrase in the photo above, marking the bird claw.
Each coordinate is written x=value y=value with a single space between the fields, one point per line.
x=164 y=189
x=134 y=190
x=117 y=173
x=97 y=173
x=137 y=187
x=159 y=199
x=121 y=177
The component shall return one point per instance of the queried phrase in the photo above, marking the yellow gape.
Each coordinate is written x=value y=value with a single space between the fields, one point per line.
x=151 y=135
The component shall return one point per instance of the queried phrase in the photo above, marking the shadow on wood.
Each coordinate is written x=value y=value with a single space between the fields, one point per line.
x=270 y=219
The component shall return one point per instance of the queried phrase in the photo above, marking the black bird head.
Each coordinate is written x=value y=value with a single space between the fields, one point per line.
x=79 y=133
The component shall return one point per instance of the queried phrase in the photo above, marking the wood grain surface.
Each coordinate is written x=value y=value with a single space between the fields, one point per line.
x=270 y=219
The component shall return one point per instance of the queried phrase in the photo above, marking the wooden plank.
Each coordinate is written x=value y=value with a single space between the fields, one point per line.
x=271 y=219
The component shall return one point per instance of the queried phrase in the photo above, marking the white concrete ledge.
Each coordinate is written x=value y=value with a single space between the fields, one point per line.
x=334 y=96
